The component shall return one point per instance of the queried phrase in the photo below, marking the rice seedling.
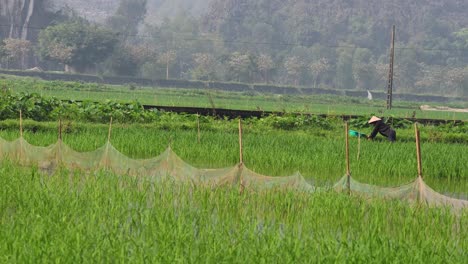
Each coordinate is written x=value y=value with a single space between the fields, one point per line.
x=108 y=218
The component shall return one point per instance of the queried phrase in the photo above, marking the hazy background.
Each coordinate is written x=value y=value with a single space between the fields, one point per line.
x=339 y=44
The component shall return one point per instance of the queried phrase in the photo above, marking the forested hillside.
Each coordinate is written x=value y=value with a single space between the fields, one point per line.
x=342 y=44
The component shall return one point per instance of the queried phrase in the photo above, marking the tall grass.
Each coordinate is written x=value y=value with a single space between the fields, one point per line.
x=106 y=218
x=319 y=157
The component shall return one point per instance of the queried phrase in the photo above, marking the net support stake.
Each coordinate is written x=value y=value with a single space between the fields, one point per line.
x=241 y=157
x=58 y=157
x=60 y=129
x=21 y=123
x=21 y=136
x=359 y=146
x=348 y=172
x=110 y=129
x=418 y=150
x=198 y=127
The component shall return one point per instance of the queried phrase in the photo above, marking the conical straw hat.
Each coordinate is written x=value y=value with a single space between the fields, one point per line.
x=374 y=119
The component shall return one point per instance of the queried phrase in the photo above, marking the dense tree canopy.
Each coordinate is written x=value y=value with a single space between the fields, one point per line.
x=338 y=44
x=77 y=44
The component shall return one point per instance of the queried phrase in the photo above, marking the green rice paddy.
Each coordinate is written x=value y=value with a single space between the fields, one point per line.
x=73 y=217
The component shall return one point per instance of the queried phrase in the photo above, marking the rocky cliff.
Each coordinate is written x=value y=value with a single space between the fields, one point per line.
x=23 y=18
x=16 y=17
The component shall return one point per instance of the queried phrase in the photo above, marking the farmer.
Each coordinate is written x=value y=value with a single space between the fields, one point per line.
x=384 y=129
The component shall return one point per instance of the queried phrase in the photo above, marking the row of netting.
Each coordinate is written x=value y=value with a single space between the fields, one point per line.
x=170 y=167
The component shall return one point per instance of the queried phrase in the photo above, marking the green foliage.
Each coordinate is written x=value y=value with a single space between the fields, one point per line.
x=128 y=16
x=87 y=43
x=294 y=122
x=123 y=63
x=106 y=218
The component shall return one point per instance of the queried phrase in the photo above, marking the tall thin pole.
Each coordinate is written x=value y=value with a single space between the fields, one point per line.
x=348 y=172
x=110 y=129
x=418 y=150
x=359 y=146
x=21 y=123
x=390 y=71
x=198 y=126
x=60 y=130
x=21 y=137
x=241 y=157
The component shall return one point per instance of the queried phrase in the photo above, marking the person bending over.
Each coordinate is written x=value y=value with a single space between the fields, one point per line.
x=382 y=128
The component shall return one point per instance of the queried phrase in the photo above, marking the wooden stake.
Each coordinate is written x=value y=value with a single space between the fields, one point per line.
x=198 y=126
x=21 y=137
x=110 y=129
x=241 y=158
x=418 y=150
x=60 y=130
x=348 y=172
x=21 y=123
x=359 y=146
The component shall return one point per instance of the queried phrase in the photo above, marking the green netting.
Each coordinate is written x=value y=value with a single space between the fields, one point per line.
x=170 y=167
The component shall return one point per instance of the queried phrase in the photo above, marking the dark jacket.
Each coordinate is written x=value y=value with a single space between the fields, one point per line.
x=384 y=129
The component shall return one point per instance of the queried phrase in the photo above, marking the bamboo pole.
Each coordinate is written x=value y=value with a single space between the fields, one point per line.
x=21 y=124
x=348 y=172
x=198 y=127
x=21 y=137
x=241 y=157
x=58 y=157
x=359 y=146
x=418 y=150
x=60 y=129
x=110 y=129
x=106 y=153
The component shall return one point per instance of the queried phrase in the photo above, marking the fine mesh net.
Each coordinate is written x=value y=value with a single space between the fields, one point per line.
x=416 y=191
x=170 y=167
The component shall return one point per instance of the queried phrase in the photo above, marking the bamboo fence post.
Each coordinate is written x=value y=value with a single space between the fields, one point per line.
x=21 y=123
x=106 y=157
x=21 y=136
x=60 y=129
x=58 y=154
x=198 y=127
x=110 y=129
x=359 y=146
x=348 y=173
x=241 y=157
x=418 y=150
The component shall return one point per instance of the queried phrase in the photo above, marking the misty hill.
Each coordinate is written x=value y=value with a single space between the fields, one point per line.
x=342 y=44
x=98 y=10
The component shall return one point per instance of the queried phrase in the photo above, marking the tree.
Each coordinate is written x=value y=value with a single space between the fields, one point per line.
x=16 y=50
x=167 y=58
x=455 y=78
x=205 y=68
x=60 y=52
x=431 y=79
x=128 y=59
x=265 y=63
x=363 y=75
x=239 y=64
x=128 y=17
x=318 y=68
x=344 y=70
x=3 y=53
x=294 y=66
x=87 y=43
